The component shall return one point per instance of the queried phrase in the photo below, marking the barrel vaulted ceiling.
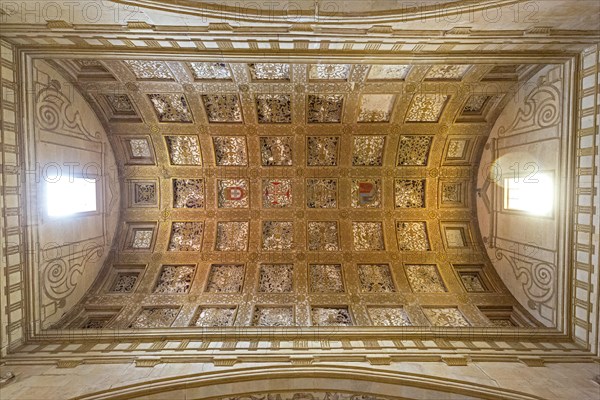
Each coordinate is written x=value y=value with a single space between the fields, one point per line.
x=296 y=194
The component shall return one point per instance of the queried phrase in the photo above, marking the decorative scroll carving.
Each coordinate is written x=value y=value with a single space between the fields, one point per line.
x=54 y=110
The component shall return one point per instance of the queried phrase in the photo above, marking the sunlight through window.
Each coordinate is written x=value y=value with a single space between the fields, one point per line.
x=534 y=195
x=70 y=196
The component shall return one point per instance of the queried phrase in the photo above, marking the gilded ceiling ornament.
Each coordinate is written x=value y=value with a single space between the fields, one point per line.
x=171 y=107
x=273 y=316
x=426 y=107
x=412 y=236
x=210 y=70
x=175 y=279
x=321 y=193
x=388 y=72
x=376 y=278
x=189 y=88
x=367 y=151
x=447 y=316
x=330 y=316
x=472 y=282
x=144 y=69
x=125 y=282
x=144 y=193
x=325 y=108
x=232 y=236
x=376 y=107
x=276 y=150
x=274 y=108
x=366 y=193
x=368 y=236
x=222 y=108
x=184 y=150
x=142 y=238
x=447 y=72
x=230 y=150
x=140 y=148
x=233 y=193
x=323 y=236
x=277 y=235
x=188 y=193
x=413 y=150
x=388 y=316
x=158 y=317
x=132 y=87
x=120 y=104
x=214 y=316
x=225 y=278
x=424 y=278
x=269 y=71
x=329 y=71
x=186 y=236
x=276 y=278
x=277 y=193
x=409 y=193
x=322 y=150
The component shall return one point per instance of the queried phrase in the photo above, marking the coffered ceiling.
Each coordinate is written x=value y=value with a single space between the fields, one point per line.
x=281 y=194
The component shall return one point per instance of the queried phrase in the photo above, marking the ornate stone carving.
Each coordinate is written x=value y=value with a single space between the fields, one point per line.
x=329 y=71
x=276 y=151
x=414 y=150
x=426 y=107
x=424 y=278
x=276 y=278
x=321 y=193
x=273 y=316
x=225 y=278
x=144 y=69
x=277 y=193
x=175 y=279
x=322 y=150
x=125 y=282
x=368 y=236
x=452 y=192
x=366 y=193
x=388 y=316
x=274 y=108
x=142 y=238
x=412 y=236
x=472 y=282
x=214 y=316
x=155 y=318
x=448 y=316
x=269 y=71
x=184 y=150
x=376 y=278
x=222 y=108
x=388 y=72
x=409 y=193
x=140 y=148
x=186 y=236
x=120 y=104
x=171 y=107
x=330 y=316
x=475 y=103
x=144 y=193
x=447 y=72
x=323 y=236
x=277 y=235
x=376 y=107
x=367 y=151
x=232 y=193
x=326 y=278
x=232 y=236
x=230 y=150
x=456 y=149
x=188 y=193
x=210 y=70
x=325 y=108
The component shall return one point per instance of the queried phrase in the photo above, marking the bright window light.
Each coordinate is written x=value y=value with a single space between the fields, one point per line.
x=70 y=196
x=534 y=195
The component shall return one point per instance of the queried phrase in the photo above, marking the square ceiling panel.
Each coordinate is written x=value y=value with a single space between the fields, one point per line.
x=376 y=107
x=447 y=72
x=225 y=278
x=326 y=278
x=273 y=316
x=144 y=69
x=323 y=236
x=322 y=151
x=337 y=72
x=276 y=151
x=376 y=278
x=269 y=72
x=184 y=150
x=388 y=72
x=368 y=236
x=324 y=108
x=274 y=108
x=413 y=150
x=230 y=150
x=412 y=236
x=232 y=193
x=277 y=193
x=222 y=108
x=388 y=316
x=188 y=193
x=409 y=193
x=232 y=236
x=366 y=193
x=186 y=236
x=171 y=107
x=276 y=278
x=330 y=316
x=321 y=193
x=207 y=316
x=210 y=70
x=426 y=107
x=367 y=151
x=277 y=235
x=446 y=316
